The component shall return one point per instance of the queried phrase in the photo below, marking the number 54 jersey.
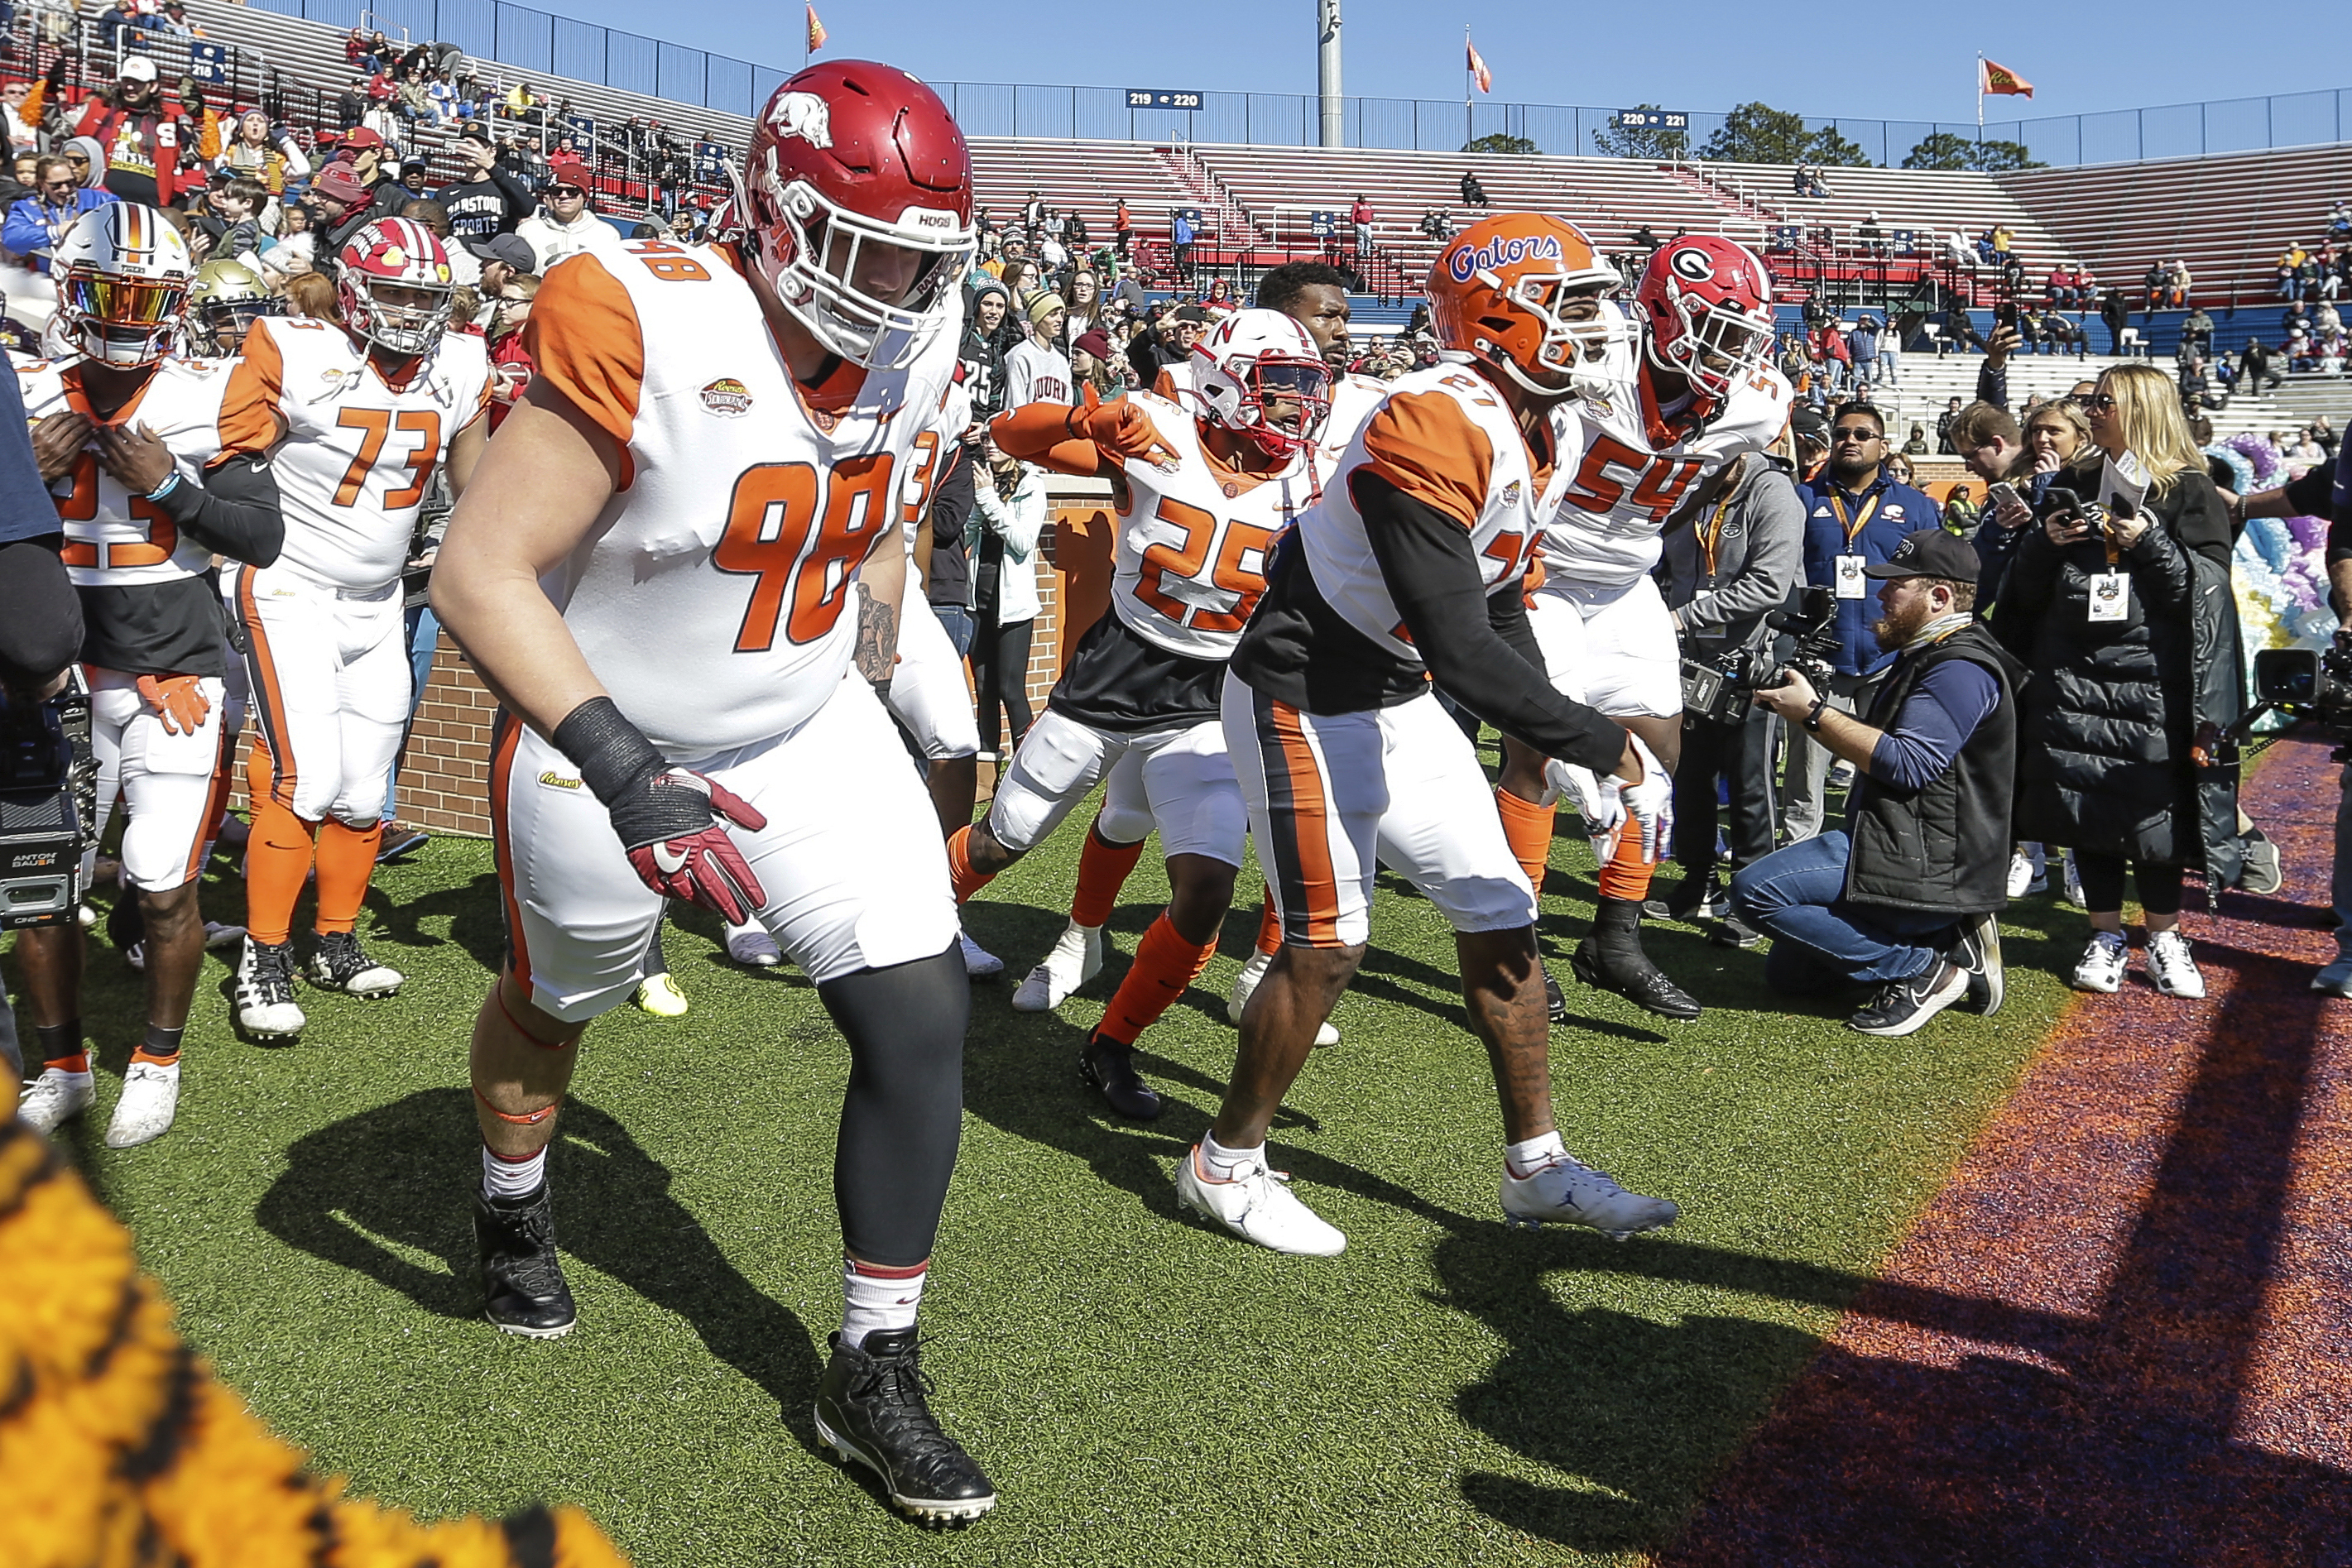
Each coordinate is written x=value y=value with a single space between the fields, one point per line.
x=360 y=448
x=714 y=598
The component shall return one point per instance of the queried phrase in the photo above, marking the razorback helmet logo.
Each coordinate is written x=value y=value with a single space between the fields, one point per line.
x=804 y=115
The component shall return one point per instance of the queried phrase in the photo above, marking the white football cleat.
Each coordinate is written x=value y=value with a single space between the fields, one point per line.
x=1076 y=957
x=1246 y=985
x=750 y=944
x=1258 y=1206
x=1565 y=1188
x=55 y=1096
x=265 y=1009
x=2172 y=967
x=340 y=963
x=151 y=1097
x=2103 y=964
x=978 y=961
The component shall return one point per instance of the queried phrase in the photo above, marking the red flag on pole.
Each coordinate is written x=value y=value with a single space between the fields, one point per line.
x=2000 y=80
x=1486 y=77
x=816 y=31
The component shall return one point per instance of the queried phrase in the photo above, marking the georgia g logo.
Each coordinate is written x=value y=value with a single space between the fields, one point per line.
x=802 y=114
x=1691 y=264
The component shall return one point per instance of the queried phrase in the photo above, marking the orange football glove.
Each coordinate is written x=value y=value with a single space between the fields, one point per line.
x=1120 y=428
x=180 y=699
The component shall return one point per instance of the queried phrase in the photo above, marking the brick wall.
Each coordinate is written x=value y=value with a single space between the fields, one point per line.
x=444 y=784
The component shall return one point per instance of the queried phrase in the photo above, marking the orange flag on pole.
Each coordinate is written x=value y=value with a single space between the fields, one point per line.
x=2000 y=80
x=1486 y=77
x=816 y=31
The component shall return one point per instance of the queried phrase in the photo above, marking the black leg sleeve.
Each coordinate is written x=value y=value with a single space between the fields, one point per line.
x=903 y=1114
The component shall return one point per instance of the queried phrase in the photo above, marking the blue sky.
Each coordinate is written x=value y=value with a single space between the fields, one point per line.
x=1894 y=61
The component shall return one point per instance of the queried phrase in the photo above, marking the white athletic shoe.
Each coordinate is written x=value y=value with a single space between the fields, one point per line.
x=2171 y=966
x=978 y=961
x=1246 y=985
x=151 y=1095
x=1076 y=957
x=265 y=1009
x=752 y=944
x=2103 y=965
x=2075 y=884
x=1565 y=1188
x=1257 y=1205
x=2020 y=872
x=53 y=1096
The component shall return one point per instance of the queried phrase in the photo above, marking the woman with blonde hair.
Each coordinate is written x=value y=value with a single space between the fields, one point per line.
x=2120 y=605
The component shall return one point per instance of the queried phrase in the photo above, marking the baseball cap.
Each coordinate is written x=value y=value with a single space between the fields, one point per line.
x=1192 y=313
x=137 y=67
x=475 y=132
x=512 y=249
x=1097 y=342
x=414 y=161
x=1930 y=552
x=362 y=139
x=337 y=184
x=567 y=171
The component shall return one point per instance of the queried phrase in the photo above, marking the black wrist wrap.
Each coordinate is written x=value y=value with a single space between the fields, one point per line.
x=611 y=753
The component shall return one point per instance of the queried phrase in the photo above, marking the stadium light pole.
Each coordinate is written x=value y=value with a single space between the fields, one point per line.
x=1327 y=73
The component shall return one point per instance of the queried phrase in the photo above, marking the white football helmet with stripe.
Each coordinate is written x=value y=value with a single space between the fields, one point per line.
x=122 y=275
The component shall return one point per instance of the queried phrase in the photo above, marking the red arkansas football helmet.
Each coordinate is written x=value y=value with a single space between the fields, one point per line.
x=1707 y=301
x=858 y=208
x=399 y=251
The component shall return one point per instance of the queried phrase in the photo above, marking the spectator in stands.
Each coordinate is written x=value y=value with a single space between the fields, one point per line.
x=2115 y=724
x=1960 y=254
x=363 y=153
x=351 y=104
x=2116 y=311
x=1037 y=370
x=510 y=363
x=1180 y=243
x=36 y=222
x=2196 y=334
x=132 y=122
x=1863 y=344
x=502 y=258
x=1473 y=194
x=1361 y=219
x=2159 y=285
x=563 y=226
x=1123 y=228
x=345 y=206
x=1094 y=362
x=2326 y=284
x=259 y=150
x=983 y=350
x=2029 y=330
x=1009 y=513
x=2288 y=272
x=1916 y=446
x=355 y=47
x=493 y=200
x=2294 y=319
x=2257 y=369
x=1869 y=236
x=1836 y=354
x=2058 y=289
x=24 y=135
x=2196 y=386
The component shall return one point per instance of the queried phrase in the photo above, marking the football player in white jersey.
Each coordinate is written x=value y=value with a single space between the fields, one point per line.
x=1199 y=498
x=1663 y=414
x=370 y=406
x=148 y=486
x=1408 y=568
x=680 y=569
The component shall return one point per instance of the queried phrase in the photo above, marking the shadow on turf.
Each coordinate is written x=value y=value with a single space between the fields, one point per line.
x=403 y=1172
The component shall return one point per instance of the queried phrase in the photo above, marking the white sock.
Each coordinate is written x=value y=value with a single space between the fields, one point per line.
x=512 y=1178
x=1223 y=1162
x=1525 y=1158
x=875 y=1299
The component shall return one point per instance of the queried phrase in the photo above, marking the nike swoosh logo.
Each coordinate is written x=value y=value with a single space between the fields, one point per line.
x=668 y=861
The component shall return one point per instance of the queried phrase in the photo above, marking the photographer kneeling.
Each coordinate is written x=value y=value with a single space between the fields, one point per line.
x=1907 y=897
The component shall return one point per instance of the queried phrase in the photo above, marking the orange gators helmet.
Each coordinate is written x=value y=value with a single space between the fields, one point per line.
x=1525 y=293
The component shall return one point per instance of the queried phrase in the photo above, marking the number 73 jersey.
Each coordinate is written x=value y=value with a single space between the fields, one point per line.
x=360 y=449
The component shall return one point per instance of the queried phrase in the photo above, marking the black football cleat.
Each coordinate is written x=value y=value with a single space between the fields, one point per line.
x=523 y=1290
x=1610 y=960
x=1555 y=999
x=870 y=1409
x=1109 y=1067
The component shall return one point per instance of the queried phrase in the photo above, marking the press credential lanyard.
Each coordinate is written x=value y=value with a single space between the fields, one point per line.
x=1851 y=583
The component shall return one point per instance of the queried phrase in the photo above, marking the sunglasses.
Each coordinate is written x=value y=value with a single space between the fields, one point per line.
x=566 y=191
x=80 y=158
x=1855 y=433
x=2096 y=402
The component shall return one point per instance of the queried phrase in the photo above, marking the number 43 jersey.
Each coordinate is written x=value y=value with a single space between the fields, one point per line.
x=714 y=597
x=360 y=449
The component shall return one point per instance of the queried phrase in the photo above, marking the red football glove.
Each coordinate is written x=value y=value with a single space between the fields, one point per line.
x=1120 y=428
x=670 y=823
x=180 y=699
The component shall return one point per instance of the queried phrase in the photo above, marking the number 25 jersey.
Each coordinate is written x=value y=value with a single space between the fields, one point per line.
x=360 y=450
x=714 y=596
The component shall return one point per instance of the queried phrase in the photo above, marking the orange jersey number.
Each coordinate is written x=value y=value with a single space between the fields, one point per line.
x=1613 y=473
x=374 y=425
x=804 y=564
x=1183 y=563
x=81 y=506
x=669 y=262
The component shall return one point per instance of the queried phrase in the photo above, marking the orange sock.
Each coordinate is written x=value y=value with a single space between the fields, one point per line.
x=1269 y=927
x=1527 y=827
x=346 y=863
x=1165 y=963
x=966 y=880
x=1103 y=869
x=1626 y=875
x=276 y=864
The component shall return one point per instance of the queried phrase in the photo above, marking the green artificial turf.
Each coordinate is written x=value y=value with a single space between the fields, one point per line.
x=1144 y=1391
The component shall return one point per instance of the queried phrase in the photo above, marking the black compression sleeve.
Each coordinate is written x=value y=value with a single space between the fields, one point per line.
x=2315 y=494
x=1433 y=575
x=1507 y=612
x=611 y=753
x=233 y=511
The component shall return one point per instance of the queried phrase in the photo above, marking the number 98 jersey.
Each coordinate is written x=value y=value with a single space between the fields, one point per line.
x=714 y=598
x=360 y=451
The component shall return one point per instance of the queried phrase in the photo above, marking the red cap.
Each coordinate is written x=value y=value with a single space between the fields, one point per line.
x=567 y=171
x=360 y=140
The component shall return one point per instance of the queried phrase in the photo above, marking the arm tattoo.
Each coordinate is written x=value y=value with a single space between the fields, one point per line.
x=878 y=637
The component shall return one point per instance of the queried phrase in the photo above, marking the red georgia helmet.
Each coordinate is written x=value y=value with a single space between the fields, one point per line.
x=850 y=154
x=1708 y=303
x=400 y=251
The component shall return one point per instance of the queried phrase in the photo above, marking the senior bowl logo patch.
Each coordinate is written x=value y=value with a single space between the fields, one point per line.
x=727 y=397
x=1511 y=494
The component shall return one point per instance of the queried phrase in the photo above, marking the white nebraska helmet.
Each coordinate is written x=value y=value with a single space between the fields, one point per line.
x=1252 y=352
x=122 y=276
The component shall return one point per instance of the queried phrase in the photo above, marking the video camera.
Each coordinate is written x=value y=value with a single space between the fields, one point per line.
x=48 y=805
x=1723 y=690
x=2305 y=684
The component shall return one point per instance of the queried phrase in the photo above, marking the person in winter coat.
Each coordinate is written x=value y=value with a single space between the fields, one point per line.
x=986 y=326
x=1008 y=516
x=2131 y=635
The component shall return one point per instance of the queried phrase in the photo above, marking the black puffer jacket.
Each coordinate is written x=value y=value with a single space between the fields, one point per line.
x=2112 y=708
